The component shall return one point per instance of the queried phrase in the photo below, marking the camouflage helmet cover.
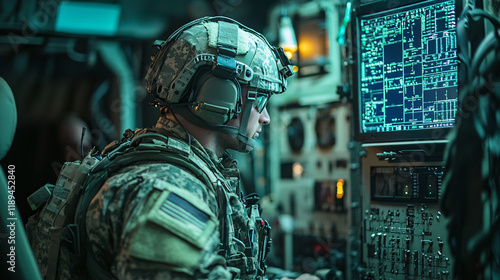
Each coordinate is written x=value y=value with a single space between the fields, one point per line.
x=260 y=66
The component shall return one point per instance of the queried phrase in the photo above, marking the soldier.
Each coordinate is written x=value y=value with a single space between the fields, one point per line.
x=186 y=218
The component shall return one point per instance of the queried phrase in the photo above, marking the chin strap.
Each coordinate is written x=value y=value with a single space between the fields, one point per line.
x=246 y=144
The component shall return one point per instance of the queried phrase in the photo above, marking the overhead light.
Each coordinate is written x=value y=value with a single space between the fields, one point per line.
x=88 y=18
x=288 y=41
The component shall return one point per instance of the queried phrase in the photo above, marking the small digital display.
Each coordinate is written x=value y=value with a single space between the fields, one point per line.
x=407 y=68
x=389 y=183
x=406 y=184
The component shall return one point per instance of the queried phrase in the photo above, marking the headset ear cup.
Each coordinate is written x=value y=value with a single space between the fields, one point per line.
x=215 y=99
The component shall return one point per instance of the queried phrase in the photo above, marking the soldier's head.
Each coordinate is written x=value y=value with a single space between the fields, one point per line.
x=218 y=74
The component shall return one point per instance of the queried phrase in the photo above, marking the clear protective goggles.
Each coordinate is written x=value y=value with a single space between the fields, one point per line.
x=260 y=101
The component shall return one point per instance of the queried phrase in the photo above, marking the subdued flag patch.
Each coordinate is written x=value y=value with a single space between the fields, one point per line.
x=180 y=209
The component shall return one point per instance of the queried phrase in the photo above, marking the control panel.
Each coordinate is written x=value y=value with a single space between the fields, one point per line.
x=405 y=243
x=402 y=230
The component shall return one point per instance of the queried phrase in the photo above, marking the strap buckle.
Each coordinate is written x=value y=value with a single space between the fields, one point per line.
x=227 y=46
x=224 y=67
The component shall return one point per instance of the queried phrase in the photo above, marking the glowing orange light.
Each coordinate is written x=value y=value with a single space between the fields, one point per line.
x=340 y=188
x=289 y=53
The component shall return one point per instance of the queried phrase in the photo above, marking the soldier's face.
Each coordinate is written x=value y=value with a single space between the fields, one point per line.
x=256 y=120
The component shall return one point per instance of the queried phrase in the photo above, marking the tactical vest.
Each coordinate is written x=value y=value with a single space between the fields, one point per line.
x=57 y=231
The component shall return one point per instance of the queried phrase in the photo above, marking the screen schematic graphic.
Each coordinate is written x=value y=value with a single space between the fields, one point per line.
x=408 y=68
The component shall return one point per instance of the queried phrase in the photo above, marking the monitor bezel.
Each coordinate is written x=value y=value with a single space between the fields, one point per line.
x=439 y=133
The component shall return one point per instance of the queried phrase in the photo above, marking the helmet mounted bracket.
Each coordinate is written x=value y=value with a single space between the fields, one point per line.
x=227 y=44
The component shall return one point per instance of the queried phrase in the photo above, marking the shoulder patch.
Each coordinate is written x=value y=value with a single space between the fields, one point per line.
x=176 y=221
x=180 y=213
x=185 y=215
x=181 y=210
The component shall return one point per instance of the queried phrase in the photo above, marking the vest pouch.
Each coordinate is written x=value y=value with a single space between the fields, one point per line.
x=245 y=264
x=71 y=258
x=35 y=238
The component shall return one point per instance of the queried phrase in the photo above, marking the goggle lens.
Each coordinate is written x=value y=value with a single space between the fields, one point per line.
x=261 y=101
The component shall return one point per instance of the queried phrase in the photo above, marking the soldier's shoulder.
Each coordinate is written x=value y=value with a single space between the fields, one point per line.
x=167 y=172
x=143 y=178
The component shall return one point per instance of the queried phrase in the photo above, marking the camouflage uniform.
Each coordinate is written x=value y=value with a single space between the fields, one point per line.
x=177 y=211
x=158 y=221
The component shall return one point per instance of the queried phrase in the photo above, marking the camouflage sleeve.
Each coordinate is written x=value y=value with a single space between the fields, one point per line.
x=156 y=222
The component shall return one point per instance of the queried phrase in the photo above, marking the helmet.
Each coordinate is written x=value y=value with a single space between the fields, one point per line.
x=200 y=69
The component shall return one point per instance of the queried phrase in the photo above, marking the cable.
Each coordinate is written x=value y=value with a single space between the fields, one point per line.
x=185 y=130
x=81 y=142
